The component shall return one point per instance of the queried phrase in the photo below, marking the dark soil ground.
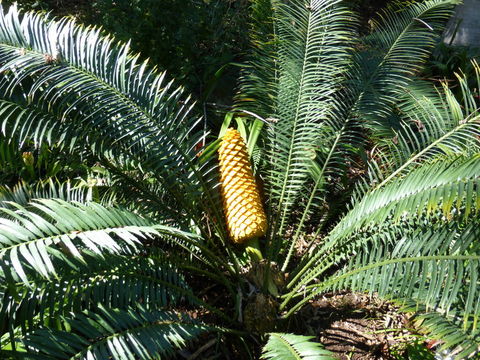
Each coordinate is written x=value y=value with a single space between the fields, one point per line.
x=360 y=327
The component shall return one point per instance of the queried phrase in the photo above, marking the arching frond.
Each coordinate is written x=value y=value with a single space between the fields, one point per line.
x=55 y=228
x=433 y=263
x=433 y=123
x=58 y=257
x=448 y=186
x=391 y=56
x=116 y=334
x=450 y=332
x=111 y=280
x=23 y=193
x=85 y=91
x=401 y=41
x=258 y=81
x=430 y=187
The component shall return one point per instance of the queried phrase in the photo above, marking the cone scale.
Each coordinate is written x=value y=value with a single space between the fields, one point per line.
x=241 y=199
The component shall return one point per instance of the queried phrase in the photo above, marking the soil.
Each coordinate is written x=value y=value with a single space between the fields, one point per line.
x=359 y=327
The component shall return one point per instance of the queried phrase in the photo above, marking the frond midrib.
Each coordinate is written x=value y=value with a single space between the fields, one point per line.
x=293 y=351
x=57 y=238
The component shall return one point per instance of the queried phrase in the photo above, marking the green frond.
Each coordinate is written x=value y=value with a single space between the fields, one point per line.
x=395 y=21
x=421 y=119
x=433 y=264
x=413 y=149
x=312 y=55
x=432 y=123
x=86 y=92
x=135 y=333
x=56 y=229
x=127 y=188
x=23 y=193
x=111 y=280
x=258 y=81
x=444 y=184
x=293 y=347
x=400 y=43
x=458 y=342
x=449 y=187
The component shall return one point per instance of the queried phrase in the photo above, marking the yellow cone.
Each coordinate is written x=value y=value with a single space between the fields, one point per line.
x=241 y=200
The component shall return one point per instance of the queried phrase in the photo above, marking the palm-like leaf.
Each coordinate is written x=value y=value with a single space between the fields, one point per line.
x=118 y=334
x=459 y=342
x=311 y=57
x=34 y=238
x=411 y=240
x=433 y=123
x=453 y=186
x=58 y=256
x=23 y=193
x=293 y=347
x=111 y=280
x=258 y=82
x=84 y=89
x=434 y=266
x=380 y=75
x=401 y=42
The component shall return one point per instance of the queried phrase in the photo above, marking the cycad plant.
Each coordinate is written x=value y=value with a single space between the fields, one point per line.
x=377 y=170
